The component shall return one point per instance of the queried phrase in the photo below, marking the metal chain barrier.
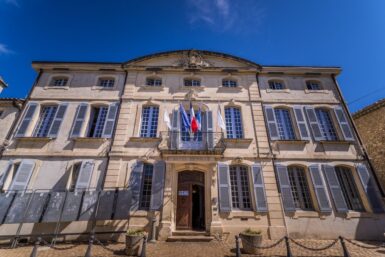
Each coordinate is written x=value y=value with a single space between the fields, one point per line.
x=58 y=248
x=314 y=249
x=104 y=246
x=363 y=246
x=268 y=246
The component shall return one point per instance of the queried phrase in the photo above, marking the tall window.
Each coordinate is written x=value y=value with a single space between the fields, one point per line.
x=74 y=176
x=276 y=85
x=233 y=122
x=145 y=198
x=240 y=191
x=149 y=121
x=97 y=120
x=313 y=85
x=106 y=82
x=349 y=189
x=153 y=82
x=185 y=132
x=59 y=82
x=300 y=188
x=284 y=123
x=229 y=83
x=47 y=114
x=192 y=83
x=326 y=124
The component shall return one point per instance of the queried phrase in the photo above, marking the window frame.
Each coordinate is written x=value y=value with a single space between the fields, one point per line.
x=146 y=193
x=311 y=82
x=98 y=125
x=301 y=192
x=42 y=123
x=148 y=131
x=229 y=85
x=74 y=175
x=109 y=79
x=240 y=185
x=282 y=123
x=192 y=82
x=329 y=133
x=54 y=78
x=154 y=84
x=231 y=123
x=349 y=184
x=276 y=81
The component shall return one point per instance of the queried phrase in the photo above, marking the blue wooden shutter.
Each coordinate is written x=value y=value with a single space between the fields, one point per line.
x=4 y=174
x=135 y=185
x=271 y=122
x=27 y=119
x=301 y=122
x=57 y=121
x=157 y=185
x=174 y=137
x=344 y=124
x=285 y=187
x=370 y=188
x=210 y=130
x=110 y=120
x=259 y=188
x=79 y=120
x=335 y=188
x=224 y=187
x=85 y=174
x=320 y=188
x=23 y=175
x=313 y=122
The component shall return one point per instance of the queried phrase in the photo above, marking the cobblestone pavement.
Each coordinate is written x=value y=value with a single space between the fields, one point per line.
x=212 y=249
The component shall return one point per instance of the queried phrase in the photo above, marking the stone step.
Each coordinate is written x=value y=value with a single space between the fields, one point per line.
x=189 y=233
x=190 y=238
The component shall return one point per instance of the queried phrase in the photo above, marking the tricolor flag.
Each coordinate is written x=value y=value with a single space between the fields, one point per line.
x=198 y=117
x=185 y=120
x=193 y=120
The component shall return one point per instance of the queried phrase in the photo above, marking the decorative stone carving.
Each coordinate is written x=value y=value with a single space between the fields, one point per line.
x=192 y=59
x=191 y=95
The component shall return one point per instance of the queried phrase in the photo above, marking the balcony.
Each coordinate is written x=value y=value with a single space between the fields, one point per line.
x=175 y=142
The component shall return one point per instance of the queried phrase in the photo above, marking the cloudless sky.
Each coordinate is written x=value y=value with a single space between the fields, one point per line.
x=349 y=33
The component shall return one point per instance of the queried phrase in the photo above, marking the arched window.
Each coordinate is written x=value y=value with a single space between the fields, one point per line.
x=349 y=189
x=59 y=81
x=145 y=196
x=229 y=83
x=153 y=82
x=299 y=188
x=284 y=124
x=240 y=191
x=46 y=118
x=233 y=119
x=326 y=124
x=192 y=82
x=276 y=85
x=313 y=85
x=106 y=82
x=149 y=124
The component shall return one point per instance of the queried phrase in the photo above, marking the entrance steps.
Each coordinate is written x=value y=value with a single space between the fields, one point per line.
x=189 y=236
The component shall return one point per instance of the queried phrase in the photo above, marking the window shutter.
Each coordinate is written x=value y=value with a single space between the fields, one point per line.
x=344 y=124
x=210 y=130
x=23 y=175
x=135 y=185
x=314 y=125
x=284 y=184
x=157 y=185
x=320 y=188
x=4 y=174
x=301 y=123
x=54 y=130
x=259 y=188
x=271 y=123
x=85 y=175
x=110 y=121
x=79 y=120
x=335 y=188
x=370 y=188
x=175 y=130
x=28 y=116
x=224 y=187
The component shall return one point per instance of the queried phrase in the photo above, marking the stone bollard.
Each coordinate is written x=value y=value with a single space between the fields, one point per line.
x=153 y=232
x=144 y=246
x=237 y=247
x=288 y=250
x=344 y=249
x=35 y=246
x=90 y=242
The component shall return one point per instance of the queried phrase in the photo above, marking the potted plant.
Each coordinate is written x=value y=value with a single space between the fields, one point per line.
x=134 y=239
x=251 y=239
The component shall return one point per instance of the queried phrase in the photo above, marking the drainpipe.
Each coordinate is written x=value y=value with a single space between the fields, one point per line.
x=363 y=149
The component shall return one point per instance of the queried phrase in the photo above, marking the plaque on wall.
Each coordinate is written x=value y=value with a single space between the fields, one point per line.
x=5 y=202
x=72 y=206
x=36 y=207
x=17 y=210
x=54 y=207
x=88 y=205
x=106 y=203
x=123 y=203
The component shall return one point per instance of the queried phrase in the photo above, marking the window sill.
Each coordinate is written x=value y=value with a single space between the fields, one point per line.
x=103 y=88
x=89 y=139
x=294 y=141
x=34 y=139
x=139 y=213
x=56 y=87
x=144 y=139
x=238 y=140
x=230 y=89
x=269 y=90
x=339 y=142
x=322 y=91
x=150 y=88
x=188 y=88
x=357 y=214
x=306 y=214
x=243 y=214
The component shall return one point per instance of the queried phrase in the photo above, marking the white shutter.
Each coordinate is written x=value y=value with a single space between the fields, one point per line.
x=335 y=188
x=4 y=174
x=285 y=187
x=158 y=175
x=344 y=124
x=224 y=187
x=210 y=130
x=313 y=122
x=28 y=116
x=174 y=137
x=79 y=120
x=110 y=121
x=301 y=122
x=85 y=174
x=135 y=185
x=57 y=121
x=320 y=188
x=271 y=122
x=23 y=175
x=259 y=188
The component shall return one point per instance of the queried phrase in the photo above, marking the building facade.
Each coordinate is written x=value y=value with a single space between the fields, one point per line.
x=275 y=151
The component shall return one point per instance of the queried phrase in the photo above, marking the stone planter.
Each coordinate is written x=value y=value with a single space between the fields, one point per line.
x=134 y=245
x=250 y=242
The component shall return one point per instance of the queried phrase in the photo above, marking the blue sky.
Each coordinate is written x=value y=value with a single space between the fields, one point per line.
x=350 y=34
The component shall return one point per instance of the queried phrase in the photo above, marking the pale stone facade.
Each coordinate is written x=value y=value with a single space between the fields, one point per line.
x=9 y=111
x=238 y=177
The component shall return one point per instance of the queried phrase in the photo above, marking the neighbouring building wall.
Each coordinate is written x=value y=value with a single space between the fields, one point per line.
x=9 y=110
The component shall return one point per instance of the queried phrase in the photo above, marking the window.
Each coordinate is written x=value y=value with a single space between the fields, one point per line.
x=1 y=113
x=145 y=198
x=59 y=82
x=44 y=123
x=229 y=83
x=240 y=193
x=149 y=121
x=192 y=83
x=97 y=120
x=106 y=82
x=284 y=124
x=74 y=176
x=299 y=188
x=233 y=122
x=153 y=82
x=276 y=85
x=313 y=85
x=326 y=124
x=349 y=189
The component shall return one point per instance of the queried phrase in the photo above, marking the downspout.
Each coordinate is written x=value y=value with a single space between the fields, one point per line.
x=358 y=135
x=273 y=160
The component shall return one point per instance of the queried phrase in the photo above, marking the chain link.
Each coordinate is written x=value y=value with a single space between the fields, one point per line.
x=363 y=246
x=58 y=248
x=266 y=246
x=314 y=249
x=104 y=246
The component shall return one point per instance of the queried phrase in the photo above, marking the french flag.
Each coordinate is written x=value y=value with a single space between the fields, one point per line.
x=193 y=120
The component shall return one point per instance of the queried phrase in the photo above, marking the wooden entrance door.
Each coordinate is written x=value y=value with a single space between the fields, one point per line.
x=184 y=208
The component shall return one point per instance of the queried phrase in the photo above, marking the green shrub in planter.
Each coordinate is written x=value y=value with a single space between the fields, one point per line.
x=251 y=239
x=134 y=239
